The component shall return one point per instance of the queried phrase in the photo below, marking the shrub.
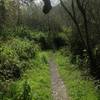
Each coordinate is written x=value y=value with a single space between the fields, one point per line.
x=15 y=56
x=9 y=66
x=24 y=32
x=26 y=93
x=24 y=48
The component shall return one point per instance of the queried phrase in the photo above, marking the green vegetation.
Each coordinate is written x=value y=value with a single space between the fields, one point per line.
x=26 y=36
x=15 y=56
x=78 y=87
x=24 y=71
x=34 y=83
x=38 y=78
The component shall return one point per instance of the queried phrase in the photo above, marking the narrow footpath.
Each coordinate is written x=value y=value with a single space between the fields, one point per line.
x=59 y=91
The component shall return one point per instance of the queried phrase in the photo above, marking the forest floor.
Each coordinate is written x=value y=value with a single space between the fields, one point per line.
x=59 y=91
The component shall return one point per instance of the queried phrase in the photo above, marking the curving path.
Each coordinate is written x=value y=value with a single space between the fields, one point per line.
x=58 y=87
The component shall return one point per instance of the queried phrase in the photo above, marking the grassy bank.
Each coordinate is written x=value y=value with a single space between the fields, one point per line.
x=78 y=87
x=35 y=83
x=38 y=78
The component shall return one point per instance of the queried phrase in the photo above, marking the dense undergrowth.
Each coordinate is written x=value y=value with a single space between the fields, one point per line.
x=25 y=32
x=79 y=85
x=33 y=85
x=24 y=73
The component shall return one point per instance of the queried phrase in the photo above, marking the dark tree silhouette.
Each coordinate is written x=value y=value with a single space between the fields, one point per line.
x=47 y=6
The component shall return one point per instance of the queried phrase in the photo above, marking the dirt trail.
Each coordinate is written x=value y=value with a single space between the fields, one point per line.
x=58 y=88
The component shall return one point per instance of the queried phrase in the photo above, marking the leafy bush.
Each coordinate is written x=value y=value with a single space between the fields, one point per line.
x=26 y=93
x=60 y=40
x=24 y=48
x=24 y=32
x=9 y=66
x=21 y=32
x=15 y=57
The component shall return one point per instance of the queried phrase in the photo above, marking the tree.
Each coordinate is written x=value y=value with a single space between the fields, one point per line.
x=82 y=7
x=2 y=14
x=47 y=6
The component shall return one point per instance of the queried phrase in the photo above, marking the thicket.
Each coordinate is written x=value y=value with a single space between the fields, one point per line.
x=15 y=54
x=18 y=51
x=73 y=26
x=85 y=39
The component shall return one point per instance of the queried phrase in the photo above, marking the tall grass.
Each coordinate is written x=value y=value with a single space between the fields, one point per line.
x=78 y=87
